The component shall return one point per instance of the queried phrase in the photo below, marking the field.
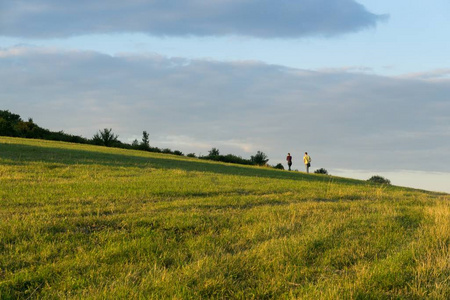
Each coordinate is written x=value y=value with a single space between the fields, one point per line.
x=86 y=222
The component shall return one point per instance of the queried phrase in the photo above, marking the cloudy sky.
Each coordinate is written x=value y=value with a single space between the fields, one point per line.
x=362 y=85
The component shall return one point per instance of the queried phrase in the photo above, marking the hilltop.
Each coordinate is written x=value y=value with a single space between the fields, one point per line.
x=83 y=221
x=12 y=125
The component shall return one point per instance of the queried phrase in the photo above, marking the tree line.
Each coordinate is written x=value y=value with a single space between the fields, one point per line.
x=12 y=125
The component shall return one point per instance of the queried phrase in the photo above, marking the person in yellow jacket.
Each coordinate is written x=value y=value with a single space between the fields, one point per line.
x=307 y=161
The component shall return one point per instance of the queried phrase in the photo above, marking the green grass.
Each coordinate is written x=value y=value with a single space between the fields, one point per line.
x=85 y=222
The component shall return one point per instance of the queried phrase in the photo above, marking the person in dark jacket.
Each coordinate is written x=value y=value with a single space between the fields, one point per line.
x=289 y=161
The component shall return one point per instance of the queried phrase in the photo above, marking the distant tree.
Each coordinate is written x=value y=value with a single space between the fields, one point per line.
x=145 y=141
x=28 y=129
x=379 y=180
x=12 y=125
x=135 y=144
x=9 y=117
x=191 y=155
x=260 y=158
x=7 y=128
x=321 y=171
x=106 y=138
x=214 y=152
x=279 y=166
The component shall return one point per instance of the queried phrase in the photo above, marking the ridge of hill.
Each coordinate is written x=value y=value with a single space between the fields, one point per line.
x=12 y=125
x=82 y=221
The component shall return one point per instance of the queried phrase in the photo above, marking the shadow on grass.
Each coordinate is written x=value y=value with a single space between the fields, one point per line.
x=19 y=154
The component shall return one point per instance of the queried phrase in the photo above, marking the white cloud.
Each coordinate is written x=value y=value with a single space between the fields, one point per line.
x=345 y=120
x=435 y=74
x=263 y=18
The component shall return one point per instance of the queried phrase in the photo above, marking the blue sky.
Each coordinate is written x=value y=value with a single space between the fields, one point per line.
x=363 y=86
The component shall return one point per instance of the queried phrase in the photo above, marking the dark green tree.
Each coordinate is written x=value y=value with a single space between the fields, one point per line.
x=145 y=141
x=10 y=117
x=7 y=128
x=214 y=152
x=106 y=138
x=135 y=144
x=260 y=158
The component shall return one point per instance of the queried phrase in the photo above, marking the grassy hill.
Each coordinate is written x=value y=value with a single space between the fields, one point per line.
x=87 y=222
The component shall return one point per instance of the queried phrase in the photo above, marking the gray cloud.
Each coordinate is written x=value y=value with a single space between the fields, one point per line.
x=263 y=18
x=346 y=120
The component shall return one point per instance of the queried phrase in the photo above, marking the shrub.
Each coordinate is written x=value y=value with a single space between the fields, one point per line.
x=191 y=155
x=155 y=149
x=321 y=171
x=229 y=158
x=379 y=180
x=279 y=166
x=178 y=152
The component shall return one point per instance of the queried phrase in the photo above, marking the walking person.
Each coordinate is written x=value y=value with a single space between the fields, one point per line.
x=307 y=161
x=289 y=160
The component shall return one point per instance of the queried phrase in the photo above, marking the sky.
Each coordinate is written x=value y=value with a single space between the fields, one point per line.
x=362 y=86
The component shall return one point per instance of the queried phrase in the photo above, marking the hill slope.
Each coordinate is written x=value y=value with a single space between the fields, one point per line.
x=81 y=221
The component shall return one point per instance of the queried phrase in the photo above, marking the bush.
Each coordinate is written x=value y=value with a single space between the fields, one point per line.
x=155 y=149
x=178 y=152
x=379 y=180
x=279 y=166
x=215 y=155
x=321 y=171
